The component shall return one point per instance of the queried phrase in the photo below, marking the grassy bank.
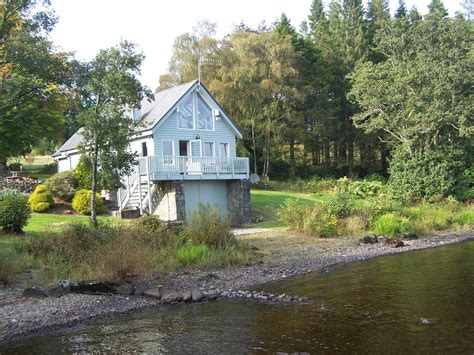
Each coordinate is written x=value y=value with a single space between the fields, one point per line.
x=67 y=247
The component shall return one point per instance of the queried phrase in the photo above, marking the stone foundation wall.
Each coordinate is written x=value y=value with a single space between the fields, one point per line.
x=238 y=200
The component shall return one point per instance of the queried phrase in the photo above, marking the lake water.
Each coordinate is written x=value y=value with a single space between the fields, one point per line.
x=419 y=302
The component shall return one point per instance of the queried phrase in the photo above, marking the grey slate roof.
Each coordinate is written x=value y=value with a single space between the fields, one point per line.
x=71 y=143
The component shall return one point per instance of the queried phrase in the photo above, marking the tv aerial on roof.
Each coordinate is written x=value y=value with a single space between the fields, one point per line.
x=207 y=61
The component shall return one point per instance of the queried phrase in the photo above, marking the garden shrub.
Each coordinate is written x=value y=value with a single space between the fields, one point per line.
x=14 y=211
x=324 y=220
x=207 y=227
x=339 y=205
x=189 y=254
x=83 y=173
x=81 y=203
x=292 y=214
x=41 y=199
x=436 y=172
x=390 y=224
x=359 y=188
x=62 y=185
x=466 y=188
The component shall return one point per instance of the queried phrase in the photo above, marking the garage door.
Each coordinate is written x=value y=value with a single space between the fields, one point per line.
x=205 y=192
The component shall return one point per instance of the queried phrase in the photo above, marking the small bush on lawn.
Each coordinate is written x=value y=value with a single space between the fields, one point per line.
x=81 y=203
x=41 y=199
x=339 y=205
x=207 y=227
x=390 y=224
x=14 y=211
x=62 y=185
x=190 y=254
x=292 y=214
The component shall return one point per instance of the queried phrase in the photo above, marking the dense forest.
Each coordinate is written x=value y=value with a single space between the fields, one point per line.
x=355 y=91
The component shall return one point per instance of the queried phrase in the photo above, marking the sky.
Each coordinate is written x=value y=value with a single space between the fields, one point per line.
x=86 y=26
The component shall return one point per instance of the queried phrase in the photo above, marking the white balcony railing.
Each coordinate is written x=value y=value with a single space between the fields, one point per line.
x=185 y=165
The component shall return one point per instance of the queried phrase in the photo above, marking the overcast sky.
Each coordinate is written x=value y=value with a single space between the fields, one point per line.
x=85 y=26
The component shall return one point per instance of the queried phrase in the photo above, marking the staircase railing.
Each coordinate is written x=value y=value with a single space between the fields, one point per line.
x=130 y=184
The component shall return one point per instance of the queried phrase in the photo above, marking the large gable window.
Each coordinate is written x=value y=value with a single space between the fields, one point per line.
x=205 y=121
x=185 y=114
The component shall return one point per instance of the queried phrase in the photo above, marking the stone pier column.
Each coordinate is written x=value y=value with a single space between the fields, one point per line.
x=180 y=201
x=238 y=201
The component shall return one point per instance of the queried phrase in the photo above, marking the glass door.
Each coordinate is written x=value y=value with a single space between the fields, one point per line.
x=194 y=160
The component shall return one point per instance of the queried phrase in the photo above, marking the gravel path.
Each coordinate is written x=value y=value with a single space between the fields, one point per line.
x=283 y=257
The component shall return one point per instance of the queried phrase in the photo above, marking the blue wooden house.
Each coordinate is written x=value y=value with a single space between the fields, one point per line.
x=187 y=156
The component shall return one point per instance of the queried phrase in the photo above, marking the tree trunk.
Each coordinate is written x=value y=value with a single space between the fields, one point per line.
x=327 y=154
x=383 y=159
x=254 y=149
x=3 y=168
x=292 y=158
x=342 y=150
x=350 y=158
x=94 y=184
x=363 y=159
x=336 y=155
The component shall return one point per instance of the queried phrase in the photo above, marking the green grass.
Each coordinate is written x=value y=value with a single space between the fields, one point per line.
x=267 y=203
x=390 y=224
x=40 y=222
x=189 y=254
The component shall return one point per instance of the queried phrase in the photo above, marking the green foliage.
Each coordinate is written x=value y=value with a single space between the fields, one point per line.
x=339 y=205
x=106 y=129
x=33 y=97
x=155 y=232
x=81 y=203
x=436 y=172
x=14 y=211
x=83 y=173
x=390 y=224
x=62 y=185
x=466 y=188
x=359 y=188
x=41 y=199
x=189 y=254
x=322 y=219
x=292 y=214
x=207 y=227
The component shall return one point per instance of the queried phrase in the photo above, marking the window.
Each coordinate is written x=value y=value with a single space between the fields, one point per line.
x=168 y=152
x=144 y=150
x=224 y=150
x=208 y=149
x=205 y=117
x=185 y=114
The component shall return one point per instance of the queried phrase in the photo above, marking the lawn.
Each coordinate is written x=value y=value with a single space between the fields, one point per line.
x=267 y=203
x=39 y=222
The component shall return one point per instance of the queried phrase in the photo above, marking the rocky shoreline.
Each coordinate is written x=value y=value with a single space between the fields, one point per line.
x=21 y=316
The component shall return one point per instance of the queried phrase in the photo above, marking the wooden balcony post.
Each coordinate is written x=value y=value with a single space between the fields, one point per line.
x=150 y=211
x=140 y=189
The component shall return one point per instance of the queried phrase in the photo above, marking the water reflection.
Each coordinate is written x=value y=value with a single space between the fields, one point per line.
x=420 y=302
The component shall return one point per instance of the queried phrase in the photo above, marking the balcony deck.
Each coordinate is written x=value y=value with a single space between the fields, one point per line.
x=160 y=168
